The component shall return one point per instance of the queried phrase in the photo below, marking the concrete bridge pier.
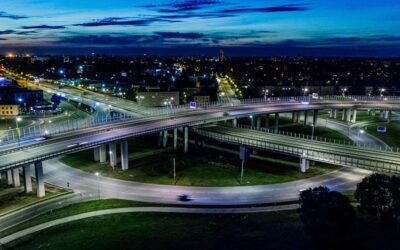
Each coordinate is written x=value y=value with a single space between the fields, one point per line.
x=185 y=139
x=9 y=177
x=348 y=119
x=315 y=117
x=354 y=120
x=27 y=178
x=39 y=179
x=388 y=114
x=381 y=114
x=113 y=154
x=258 y=122
x=266 y=125
x=294 y=114
x=305 y=117
x=343 y=114
x=304 y=164
x=276 y=128
x=124 y=155
x=298 y=116
x=103 y=153
x=234 y=122
x=16 y=180
x=164 y=138
x=335 y=114
x=96 y=153
x=175 y=138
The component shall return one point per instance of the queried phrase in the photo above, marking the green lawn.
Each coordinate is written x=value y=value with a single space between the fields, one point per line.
x=322 y=132
x=199 y=170
x=12 y=198
x=9 y=123
x=391 y=137
x=74 y=209
x=276 y=230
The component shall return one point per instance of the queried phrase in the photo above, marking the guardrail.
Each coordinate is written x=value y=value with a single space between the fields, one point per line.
x=27 y=133
x=349 y=156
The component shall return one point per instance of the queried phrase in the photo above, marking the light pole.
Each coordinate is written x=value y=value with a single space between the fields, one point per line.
x=381 y=91
x=18 y=119
x=98 y=184
x=305 y=90
x=344 y=90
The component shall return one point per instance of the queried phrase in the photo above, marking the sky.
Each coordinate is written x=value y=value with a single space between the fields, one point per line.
x=274 y=27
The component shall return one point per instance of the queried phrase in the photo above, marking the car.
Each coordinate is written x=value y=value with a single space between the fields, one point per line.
x=184 y=198
x=225 y=114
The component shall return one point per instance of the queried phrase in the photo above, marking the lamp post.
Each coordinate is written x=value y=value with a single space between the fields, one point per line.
x=18 y=119
x=381 y=91
x=344 y=90
x=98 y=184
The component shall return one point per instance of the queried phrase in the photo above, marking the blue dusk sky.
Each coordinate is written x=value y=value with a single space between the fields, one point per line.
x=340 y=27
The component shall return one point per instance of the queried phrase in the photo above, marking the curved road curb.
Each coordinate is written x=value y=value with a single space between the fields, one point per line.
x=186 y=210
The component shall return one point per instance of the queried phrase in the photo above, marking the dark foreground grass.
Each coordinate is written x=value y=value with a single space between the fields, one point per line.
x=207 y=169
x=277 y=230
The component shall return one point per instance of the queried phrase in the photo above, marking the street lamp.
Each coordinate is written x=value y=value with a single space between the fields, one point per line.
x=18 y=119
x=381 y=91
x=344 y=90
x=98 y=184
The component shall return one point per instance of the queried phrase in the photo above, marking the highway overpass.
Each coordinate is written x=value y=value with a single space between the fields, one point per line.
x=69 y=138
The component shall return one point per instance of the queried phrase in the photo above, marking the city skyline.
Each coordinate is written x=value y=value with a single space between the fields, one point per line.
x=197 y=27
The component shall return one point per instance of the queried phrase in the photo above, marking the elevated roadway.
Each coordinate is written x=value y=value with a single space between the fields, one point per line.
x=376 y=159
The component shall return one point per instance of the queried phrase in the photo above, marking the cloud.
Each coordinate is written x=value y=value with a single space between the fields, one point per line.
x=7 y=32
x=11 y=16
x=183 y=5
x=190 y=35
x=44 y=27
x=156 y=39
x=281 y=8
x=123 y=22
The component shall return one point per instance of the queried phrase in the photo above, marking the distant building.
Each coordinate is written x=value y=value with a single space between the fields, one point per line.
x=9 y=110
x=157 y=99
x=20 y=96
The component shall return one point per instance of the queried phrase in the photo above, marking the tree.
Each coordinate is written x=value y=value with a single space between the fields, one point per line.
x=378 y=196
x=326 y=214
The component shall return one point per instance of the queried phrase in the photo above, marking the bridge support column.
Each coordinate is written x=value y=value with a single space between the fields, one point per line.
x=266 y=121
x=305 y=117
x=348 y=115
x=331 y=113
x=387 y=115
x=343 y=114
x=9 y=177
x=258 y=122
x=124 y=155
x=298 y=116
x=160 y=139
x=294 y=114
x=369 y=112
x=16 y=180
x=39 y=179
x=335 y=113
x=234 y=123
x=185 y=139
x=315 y=117
x=389 y=118
x=103 y=153
x=381 y=114
x=113 y=154
x=304 y=164
x=165 y=138
x=276 y=128
x=175 y=138
x=27 y=178
x=252 y=121
x=354 y=116
x=96 y=153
